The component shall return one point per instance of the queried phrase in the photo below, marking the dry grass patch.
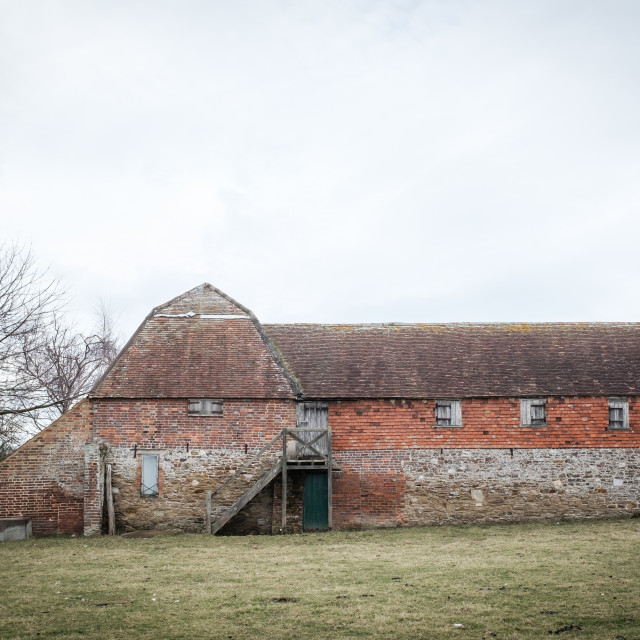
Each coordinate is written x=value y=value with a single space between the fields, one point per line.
x=577 y=580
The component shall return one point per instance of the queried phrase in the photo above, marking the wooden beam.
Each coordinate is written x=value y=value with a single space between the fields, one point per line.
x=329 y=481
x=207 y=515
x=111 y=516
x=284 y=481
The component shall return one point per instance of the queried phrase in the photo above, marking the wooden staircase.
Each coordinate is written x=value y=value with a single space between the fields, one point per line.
x=249 y=495
x=307 y=441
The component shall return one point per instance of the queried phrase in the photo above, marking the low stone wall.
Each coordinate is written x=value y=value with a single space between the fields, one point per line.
x=480 y=485
x=460 y=486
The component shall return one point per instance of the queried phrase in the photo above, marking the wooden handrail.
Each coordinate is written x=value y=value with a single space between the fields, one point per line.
x=307 y=445
x=247 y=464
x=269 y=445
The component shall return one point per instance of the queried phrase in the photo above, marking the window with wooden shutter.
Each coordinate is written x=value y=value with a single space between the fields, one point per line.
x=448 y=413
x=149 y=481
x=533 y=412
x=205 y=407
x=618 y=413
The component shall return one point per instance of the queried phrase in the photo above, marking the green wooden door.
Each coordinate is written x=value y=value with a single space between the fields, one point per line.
x=315 y=508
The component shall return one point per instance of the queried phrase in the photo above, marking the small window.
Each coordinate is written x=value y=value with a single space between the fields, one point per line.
x=533 y=412
x=618 y=413
x=149 y=483
x=448 y=413
x=205 y=407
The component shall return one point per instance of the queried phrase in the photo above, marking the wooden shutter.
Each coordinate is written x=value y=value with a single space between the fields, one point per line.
x=213 y=407
x=456 y=413
x=618 y=413
x=195 y=407
x=533 y=412
x=443 y=413
x=312 y=415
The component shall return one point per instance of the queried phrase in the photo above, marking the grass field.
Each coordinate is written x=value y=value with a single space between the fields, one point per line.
x=578 y=580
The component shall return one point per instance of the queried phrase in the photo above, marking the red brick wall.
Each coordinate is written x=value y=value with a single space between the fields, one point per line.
x=487 y=423
x=43 y=480
x=164 y=423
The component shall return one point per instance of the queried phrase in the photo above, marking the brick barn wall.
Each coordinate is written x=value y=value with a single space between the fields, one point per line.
x=399 y=469
x=196 y=454
x=487 y=423
x=44 y=479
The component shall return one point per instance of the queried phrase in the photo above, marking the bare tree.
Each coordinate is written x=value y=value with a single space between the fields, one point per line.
x=28 y=301
x=68 y=362
x=45 y=364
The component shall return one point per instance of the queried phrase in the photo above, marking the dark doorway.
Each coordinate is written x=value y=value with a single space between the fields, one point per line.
x=315 y=508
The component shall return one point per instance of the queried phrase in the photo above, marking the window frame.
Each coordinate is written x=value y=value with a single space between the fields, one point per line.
x=206 y=407
x=527 y=418
x=454 y=405
x=618 y=403
x=149 y=489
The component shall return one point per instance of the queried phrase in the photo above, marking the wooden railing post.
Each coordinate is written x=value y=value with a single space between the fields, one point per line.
x=284 y=481
x=207 y=515
x=111 y=516
x=329 y=480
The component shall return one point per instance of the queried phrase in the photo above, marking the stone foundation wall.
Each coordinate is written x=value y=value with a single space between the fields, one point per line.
x=184 y=478
x=462 y=486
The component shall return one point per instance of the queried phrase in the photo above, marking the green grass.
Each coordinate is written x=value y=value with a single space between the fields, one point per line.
x=516 y=581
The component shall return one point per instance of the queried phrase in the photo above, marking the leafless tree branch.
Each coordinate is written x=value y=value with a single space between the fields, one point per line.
x=46 y=365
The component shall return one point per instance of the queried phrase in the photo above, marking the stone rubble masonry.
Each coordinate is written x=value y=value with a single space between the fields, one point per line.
x=44 y=478
x=463 y=486
x=196 y=454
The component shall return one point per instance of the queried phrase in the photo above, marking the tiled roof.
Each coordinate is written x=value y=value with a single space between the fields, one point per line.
x=201 y=344
x=461 y=360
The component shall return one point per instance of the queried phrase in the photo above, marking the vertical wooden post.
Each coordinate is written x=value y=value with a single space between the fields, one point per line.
x=284 y=481
x=329 y=480
x=110 y=510
x=207 y=515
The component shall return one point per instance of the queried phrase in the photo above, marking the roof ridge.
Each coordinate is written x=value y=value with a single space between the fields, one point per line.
x=205 y=286
x=594 y=323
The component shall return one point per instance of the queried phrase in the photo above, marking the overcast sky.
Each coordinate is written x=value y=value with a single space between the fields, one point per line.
x=328 y=161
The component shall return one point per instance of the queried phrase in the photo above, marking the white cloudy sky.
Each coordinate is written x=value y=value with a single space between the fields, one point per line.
x=336 y=160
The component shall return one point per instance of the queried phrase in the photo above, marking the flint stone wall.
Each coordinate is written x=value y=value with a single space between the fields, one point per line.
x=480 y=485
x=184 y=479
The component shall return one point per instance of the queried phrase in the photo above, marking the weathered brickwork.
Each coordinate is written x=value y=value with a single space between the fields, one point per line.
x=44 y=479
x=359 y=425
x=196 y=454
x=165 y=424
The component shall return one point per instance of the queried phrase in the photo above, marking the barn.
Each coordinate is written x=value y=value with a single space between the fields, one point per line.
x=209 y=421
